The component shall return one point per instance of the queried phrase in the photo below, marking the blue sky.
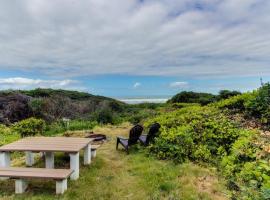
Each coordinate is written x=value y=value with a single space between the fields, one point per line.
x=134 y=47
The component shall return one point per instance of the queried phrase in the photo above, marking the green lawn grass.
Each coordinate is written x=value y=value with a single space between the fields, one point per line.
x=115 y=175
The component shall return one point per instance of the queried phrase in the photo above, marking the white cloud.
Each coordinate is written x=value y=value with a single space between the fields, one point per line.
x=27 y=83
x=136 y=85
x=178 y=84
x=70 y=38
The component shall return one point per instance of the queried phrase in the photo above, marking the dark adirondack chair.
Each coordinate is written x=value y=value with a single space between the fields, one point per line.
x=134 y=135
x=153 y=132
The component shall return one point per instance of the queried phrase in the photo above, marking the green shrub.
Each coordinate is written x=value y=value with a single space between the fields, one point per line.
x=61 y=127
x=55 y=128
x=259 y=106
x=81 y=125
x=254 y=104
x=4 y=130
x=7 y=135
x=202 y=153
x=183 y=105
x=140 y=115
x=174 y=143
x=195 y=133
x=246 y=168
x=205 y=134
x=106 y=116
x=30 y=127
x=225 y=94
x=236 y=103
x=193 y=97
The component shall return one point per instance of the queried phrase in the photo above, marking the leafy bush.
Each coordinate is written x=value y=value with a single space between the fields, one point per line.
x=225 y=94
x=7 y=135
x=236 y=103
x=183 y=105
x=195 y=133
x=202 y=98
x=61 y=127
x=205 y=134
x=259 y=106
x=192 y=97
x=30 y=127
x=55 y=128
x=139 y=116
x=81 y=125
x=247 y=168
x=254 y=104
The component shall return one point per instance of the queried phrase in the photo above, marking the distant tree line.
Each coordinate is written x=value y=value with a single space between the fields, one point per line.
x=201 y=97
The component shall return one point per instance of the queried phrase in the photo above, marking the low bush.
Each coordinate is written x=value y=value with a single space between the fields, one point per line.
x=193 y=97
x=225 y=94
x=81 y=125
x=60 y=126
x=247 y=168
x=205 y=134
x=183 y=105
x=29 y=127
x=259 y=106
x=7 y=135
x=201 y=97
x=139 y=116
x=254 y=104
x=194 y=133
x=236 y=103
x=106 y=116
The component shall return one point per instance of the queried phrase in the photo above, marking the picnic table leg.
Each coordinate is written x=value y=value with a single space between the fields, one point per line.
x=30 y=160
x=4 y=161
x=75 y=165
x=61 y=186
x=20 y=186
x=49 y=160
x=87 y=154
x=93 y=153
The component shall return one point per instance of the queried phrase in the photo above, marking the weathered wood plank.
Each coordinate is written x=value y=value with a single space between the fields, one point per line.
x=16 y=172
x=47 y=144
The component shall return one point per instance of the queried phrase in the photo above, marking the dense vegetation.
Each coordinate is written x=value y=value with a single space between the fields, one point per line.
x=54 y=105
x=209 y=135
x=201 y=98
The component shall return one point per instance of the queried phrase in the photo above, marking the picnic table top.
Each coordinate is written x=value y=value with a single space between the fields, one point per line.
x=48 y=144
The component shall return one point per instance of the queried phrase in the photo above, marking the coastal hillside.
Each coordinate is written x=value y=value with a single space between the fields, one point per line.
x=50 y=104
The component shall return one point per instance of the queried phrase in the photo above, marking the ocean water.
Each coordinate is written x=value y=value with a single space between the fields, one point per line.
x=137 y=100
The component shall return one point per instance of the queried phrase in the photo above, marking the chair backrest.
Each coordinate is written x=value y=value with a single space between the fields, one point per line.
x=153 y=131
x=134 y=134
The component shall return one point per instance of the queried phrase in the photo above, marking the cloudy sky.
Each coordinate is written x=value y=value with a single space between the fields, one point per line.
x=134 y=47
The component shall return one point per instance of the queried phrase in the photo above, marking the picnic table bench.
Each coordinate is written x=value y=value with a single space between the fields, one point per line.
x=22 y=174
x=49 y=145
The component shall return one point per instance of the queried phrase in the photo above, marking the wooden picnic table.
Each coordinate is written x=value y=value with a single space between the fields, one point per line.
x=49 y=145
